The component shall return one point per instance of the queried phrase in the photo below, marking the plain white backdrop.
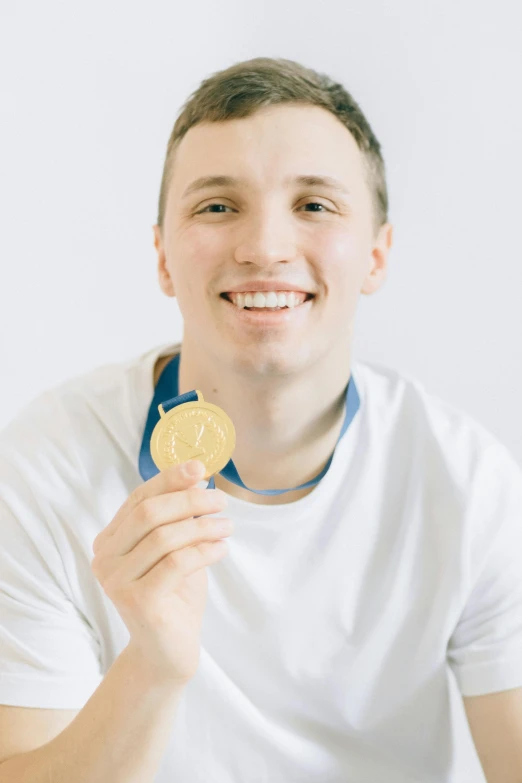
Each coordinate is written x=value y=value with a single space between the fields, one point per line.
x=89 y=94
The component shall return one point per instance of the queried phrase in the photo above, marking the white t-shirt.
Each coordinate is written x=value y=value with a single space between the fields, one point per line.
x=340 y=629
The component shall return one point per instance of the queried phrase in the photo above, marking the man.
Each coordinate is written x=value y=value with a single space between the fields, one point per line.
x=370 y=596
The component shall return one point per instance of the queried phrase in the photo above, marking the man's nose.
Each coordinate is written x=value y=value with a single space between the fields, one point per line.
x=267 y=238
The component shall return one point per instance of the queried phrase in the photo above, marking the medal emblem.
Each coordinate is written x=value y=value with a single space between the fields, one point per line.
x=193 y=430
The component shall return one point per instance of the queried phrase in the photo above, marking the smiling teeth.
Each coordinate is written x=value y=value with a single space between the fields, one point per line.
x=270 y=299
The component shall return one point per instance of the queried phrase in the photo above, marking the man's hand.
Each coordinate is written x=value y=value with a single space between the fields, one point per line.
x=150 y=561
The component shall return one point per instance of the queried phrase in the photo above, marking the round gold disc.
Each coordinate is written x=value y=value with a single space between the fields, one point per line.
x=193 y=430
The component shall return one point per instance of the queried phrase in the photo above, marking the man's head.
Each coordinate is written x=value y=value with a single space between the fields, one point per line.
x=270 y=124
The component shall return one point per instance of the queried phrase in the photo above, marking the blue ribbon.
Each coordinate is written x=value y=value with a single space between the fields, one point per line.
x=166 y=394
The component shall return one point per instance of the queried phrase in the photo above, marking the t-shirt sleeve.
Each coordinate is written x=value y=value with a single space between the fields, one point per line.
x=485 y=649
x=49 y=654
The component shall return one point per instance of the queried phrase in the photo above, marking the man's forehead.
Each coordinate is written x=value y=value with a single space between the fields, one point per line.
x=288 y=127
x=209 y=157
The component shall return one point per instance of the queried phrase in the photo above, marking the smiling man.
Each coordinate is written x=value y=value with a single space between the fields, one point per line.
x=365 y=623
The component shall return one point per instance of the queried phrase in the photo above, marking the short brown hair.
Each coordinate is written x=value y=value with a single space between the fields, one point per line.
x=247 y=86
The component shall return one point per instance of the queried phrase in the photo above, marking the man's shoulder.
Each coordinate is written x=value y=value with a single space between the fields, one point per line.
x=105 y=396
x=430 y=425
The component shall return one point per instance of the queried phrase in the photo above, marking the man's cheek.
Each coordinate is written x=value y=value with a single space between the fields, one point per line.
x=336 y=250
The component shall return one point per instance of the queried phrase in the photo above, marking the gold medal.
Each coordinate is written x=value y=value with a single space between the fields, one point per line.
x=193 y=430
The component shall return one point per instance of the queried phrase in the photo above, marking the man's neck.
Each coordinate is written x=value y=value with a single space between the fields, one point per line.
x=283 y=438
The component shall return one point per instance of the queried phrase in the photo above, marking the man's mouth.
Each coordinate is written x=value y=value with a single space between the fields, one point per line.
x=270 y=302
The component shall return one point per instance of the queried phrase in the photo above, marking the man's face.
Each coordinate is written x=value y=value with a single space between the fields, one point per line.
x=268 y=227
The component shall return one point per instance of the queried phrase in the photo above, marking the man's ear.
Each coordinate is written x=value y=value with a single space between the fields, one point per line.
x=164 y=277
x=379 y=260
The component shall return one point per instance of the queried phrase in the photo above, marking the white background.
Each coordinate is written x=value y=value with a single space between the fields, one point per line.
x=89 y=94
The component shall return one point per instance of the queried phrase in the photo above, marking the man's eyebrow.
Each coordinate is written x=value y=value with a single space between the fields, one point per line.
x=310 y=180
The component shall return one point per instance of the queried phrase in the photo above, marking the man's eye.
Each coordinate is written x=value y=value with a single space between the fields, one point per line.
x=212 y=205
x=315 y=204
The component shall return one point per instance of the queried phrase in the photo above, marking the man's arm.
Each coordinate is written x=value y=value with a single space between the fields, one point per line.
x=495 y=720
x=119 y=736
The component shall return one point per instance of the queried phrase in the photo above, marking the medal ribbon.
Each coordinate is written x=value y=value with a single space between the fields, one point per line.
x=168 y=384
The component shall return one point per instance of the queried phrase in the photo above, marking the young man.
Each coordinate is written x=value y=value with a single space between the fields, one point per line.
x=369 y=599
